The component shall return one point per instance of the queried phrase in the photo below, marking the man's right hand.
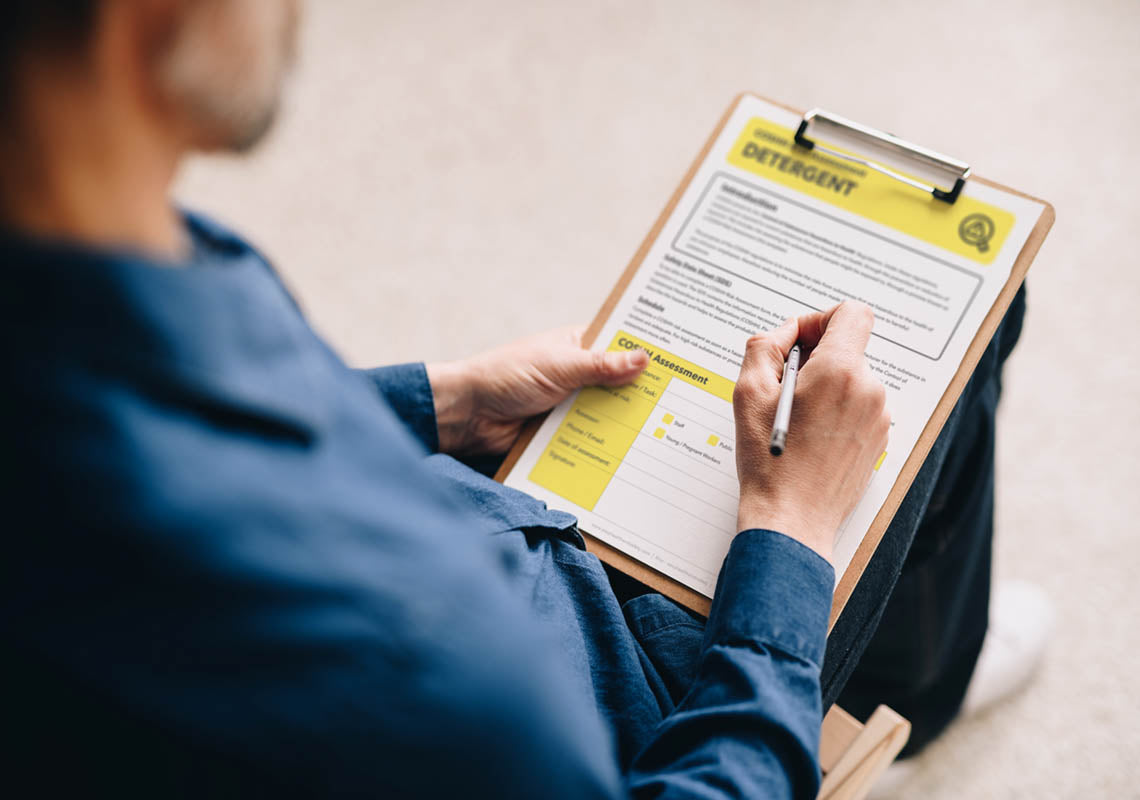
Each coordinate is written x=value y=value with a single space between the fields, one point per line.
x=838 y=429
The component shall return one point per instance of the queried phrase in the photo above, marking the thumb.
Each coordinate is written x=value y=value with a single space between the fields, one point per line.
x=599 y=368
x=765 y=353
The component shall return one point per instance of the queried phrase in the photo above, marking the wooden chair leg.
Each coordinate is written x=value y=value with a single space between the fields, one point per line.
x=853 y=756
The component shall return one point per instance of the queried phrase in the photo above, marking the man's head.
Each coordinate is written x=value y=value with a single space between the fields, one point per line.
x=209 y=70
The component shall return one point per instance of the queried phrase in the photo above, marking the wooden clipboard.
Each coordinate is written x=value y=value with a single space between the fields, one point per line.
x=695 y=600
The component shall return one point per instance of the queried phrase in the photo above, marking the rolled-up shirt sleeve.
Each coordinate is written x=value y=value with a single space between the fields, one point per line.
x=749 y=725
x=406 y=388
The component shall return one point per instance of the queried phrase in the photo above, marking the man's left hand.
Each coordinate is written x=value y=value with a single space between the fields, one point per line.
x=482 y=402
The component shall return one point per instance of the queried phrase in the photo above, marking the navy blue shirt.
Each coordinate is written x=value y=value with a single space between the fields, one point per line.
x=235 y=567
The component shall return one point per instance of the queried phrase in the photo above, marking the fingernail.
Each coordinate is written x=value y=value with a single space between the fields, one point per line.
x=634 y=358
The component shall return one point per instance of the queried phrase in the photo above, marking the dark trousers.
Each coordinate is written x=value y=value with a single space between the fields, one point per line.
x=911 y=633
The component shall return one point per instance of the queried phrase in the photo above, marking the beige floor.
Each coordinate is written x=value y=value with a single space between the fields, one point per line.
x=451 y=174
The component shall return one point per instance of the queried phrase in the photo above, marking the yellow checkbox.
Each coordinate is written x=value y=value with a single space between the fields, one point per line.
x=713 y=440
x=667 y=419
x=659 y=433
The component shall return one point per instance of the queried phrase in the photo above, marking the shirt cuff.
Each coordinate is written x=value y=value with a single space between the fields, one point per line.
x=407 y=390
x=774 y=591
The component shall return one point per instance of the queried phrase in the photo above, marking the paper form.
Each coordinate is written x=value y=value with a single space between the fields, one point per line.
x=765 y=231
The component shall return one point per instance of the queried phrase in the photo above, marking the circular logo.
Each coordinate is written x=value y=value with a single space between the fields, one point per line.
x=976 y=230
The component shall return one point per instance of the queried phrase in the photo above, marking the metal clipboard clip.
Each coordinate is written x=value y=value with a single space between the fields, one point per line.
x=959 y=170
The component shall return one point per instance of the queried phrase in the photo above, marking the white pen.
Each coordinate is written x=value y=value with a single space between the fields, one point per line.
x=784 y=404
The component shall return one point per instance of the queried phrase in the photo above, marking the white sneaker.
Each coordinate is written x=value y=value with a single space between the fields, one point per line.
x=1021 y=622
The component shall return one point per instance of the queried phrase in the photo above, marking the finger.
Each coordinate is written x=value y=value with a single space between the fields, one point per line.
x=765 y=353
x=575 y=333
x=813 y=325
x=843 y=331
x=597 y=368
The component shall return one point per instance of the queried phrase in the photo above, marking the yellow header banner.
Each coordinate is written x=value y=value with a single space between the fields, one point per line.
x=968 y=227
x=664 y=365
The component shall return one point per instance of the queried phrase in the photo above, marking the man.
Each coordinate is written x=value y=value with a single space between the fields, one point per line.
x=233 y=569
